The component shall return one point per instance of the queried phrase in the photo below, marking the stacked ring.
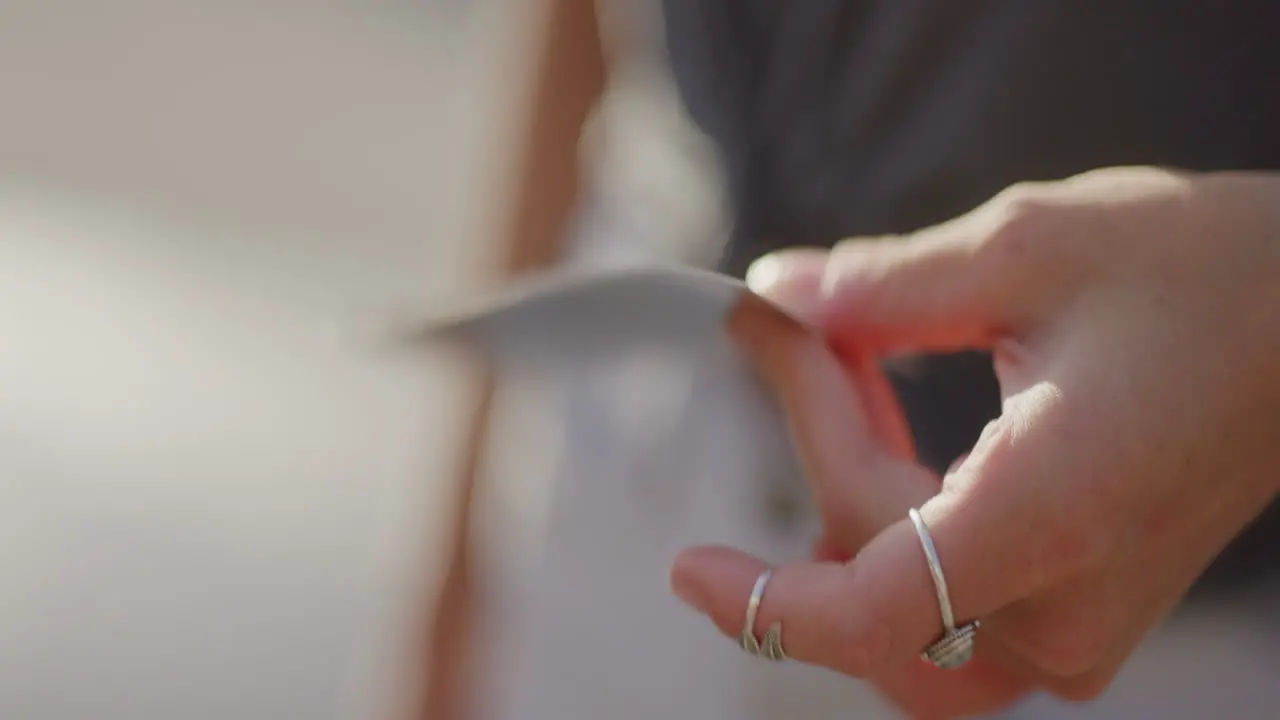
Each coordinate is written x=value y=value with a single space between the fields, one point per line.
x=771 y=647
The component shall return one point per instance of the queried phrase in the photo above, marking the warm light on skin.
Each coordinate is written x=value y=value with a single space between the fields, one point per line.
x=764 y=274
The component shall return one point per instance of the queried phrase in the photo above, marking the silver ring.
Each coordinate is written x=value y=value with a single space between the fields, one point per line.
x=771 y=648
x=955 y=647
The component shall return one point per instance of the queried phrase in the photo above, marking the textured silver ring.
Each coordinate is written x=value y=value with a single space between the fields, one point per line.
x=955 y=647
x=771 y=647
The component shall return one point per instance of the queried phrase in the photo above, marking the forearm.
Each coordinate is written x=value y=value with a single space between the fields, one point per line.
x=568 y=82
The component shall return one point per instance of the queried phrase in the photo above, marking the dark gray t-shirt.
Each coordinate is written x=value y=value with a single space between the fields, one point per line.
x=865 y=117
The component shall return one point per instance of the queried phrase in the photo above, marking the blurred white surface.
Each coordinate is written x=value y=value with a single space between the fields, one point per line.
x=209 y=212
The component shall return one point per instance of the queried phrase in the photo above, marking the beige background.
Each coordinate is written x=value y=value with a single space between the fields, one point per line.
x=212 y=475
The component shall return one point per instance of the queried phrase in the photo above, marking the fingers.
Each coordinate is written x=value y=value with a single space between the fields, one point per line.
x=835 y=614
x=884 y=413
x=859 y=618
x=854 y=464
x=803 y=374
x=1007 y=524
x=827 y=550
x=998 y=533
x=792 y=279
x=996 y=526
x=809 y=599
x=929 y=292
x=957 y=285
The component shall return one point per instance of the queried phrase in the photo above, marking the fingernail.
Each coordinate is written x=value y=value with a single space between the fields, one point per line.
x=765 y=273
x=789 y=279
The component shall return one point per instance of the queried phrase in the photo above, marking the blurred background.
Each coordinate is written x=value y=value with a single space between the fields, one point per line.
x=221 y=487
x=212 y=467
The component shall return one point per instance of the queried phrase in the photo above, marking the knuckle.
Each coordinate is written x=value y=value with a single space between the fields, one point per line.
x=1022 y=197
x=1022 y=215
x=1025 y=229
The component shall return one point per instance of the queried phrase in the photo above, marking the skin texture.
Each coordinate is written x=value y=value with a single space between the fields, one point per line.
x=1131 y=316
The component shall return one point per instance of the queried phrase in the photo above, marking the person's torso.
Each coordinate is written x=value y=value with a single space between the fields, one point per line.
x=853 y=117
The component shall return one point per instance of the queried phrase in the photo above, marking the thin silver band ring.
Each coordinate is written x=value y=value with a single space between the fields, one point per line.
x=955 y=647
x=771 y=648
x=935 y=569
x=753 y=603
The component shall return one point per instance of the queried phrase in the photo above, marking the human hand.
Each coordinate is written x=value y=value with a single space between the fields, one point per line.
x=1130 y=313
